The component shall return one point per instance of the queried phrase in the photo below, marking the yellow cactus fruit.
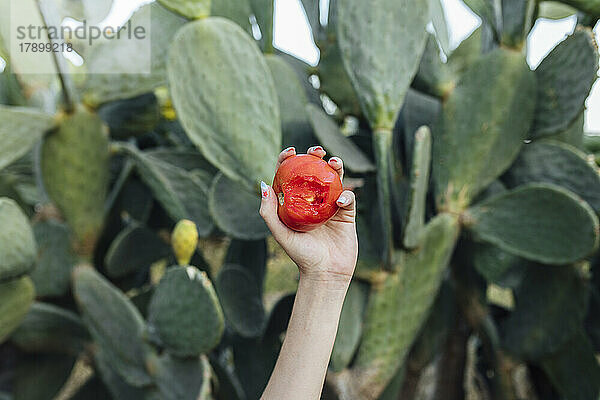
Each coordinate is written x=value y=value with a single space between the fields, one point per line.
x=184 y=241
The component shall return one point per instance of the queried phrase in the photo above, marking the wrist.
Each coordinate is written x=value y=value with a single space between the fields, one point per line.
x=325 y=280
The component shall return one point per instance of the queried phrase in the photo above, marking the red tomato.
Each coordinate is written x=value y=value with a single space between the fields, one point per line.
x=307 y=189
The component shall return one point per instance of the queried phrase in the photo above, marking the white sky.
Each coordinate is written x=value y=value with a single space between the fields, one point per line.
x=292 y=34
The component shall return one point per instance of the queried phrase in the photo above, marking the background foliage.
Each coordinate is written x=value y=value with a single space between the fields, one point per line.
x=477 y=190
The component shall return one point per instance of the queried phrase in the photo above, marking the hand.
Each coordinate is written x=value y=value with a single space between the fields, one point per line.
x=327 y=253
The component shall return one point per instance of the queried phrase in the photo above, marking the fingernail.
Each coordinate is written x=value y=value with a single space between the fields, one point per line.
x=315 y=148
x=289 y=149
x=343 y=200
x=264 y=190
x=336 y=160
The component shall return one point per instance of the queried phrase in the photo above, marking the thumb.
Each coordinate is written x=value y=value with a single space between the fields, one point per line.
x=268 y=211
x=347 y=204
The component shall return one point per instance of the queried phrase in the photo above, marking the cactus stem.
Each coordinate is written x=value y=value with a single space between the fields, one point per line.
x=382 y=144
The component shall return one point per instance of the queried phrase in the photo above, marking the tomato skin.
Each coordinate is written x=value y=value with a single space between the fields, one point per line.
x=307 y=189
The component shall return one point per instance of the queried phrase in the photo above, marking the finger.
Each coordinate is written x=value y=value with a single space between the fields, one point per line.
x=347 y=204
x=290 y=151
x=268 y=211
x=316 y=151
x=337 y=164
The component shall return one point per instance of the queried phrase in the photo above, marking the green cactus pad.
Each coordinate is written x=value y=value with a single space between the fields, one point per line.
x=55 y=261
x=238 y=11
x=17 y=243
x=350 y=326
x=574 y=134
x=381 y=69
x=16 y=297
x=116 y=385
x=178 y=378
x=555 y=10
x=241 y=298
x=291 y=94
x=489 y=12
x=487 y=116
x=433 y=77
x=230 y=387
x=8 y=188
x=399 y=306
x=186 y=313
x=565 y=78
x=136 y=247
x=467 y=52
x=279 y=316
x=312 y=11
x=496 y=265
x=186 y=158
x=439 y=79
x=182 y=194
x=122 y=56
x=329 y=135
x=393 y=389
x=296 y=128
x=255 y=360
x=539 y=222
x=75 y=172
x=135 y=199
x=440 y=25
x=51 y=329
x=551 y=303
x=419 y=110
x=558 y=163
x=41 y=376
x=419 y=184
x=432 y=336
x=370 y=236
x=263 y=11
x=192 y=9
x=235 y=210
x=493 y=189
x=303 y=71
x=21 y=128
x=131 y=117
x=334 y=79
x=251 y=255
x=518 y=17
x=225 y=98
x=114 y=323
x=573 y=369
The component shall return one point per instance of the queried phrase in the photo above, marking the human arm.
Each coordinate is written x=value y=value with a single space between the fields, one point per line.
x=326 y=258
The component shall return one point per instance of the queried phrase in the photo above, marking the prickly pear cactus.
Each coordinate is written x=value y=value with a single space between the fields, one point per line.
x=189 y=9
x=185 y=312
x=398 y=307
x=74 y=164
x=17 y=296
x=17 y=244
x=131 y=247
x=114 y=323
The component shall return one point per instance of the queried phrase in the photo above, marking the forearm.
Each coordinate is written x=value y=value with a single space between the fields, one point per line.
x=302 y=363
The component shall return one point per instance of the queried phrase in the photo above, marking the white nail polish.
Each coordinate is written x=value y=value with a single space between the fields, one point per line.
x=264 y=190
x=342 y=200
